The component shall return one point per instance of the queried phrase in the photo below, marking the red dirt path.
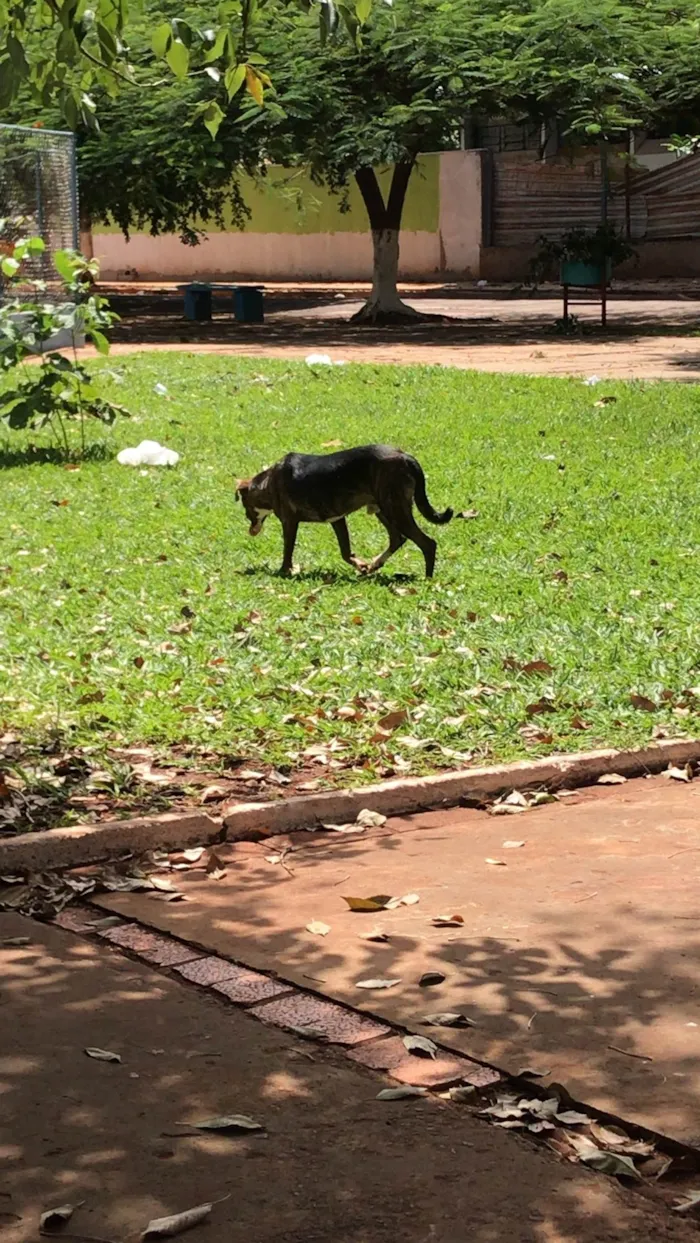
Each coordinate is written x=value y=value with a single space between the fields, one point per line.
x=588 y=938
x=335 y=1166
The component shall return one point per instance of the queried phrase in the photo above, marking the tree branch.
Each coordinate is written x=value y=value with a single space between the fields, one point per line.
x=366 y=179
x=397 y=193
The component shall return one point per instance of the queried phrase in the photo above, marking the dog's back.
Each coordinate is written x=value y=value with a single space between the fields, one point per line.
x=306 y=487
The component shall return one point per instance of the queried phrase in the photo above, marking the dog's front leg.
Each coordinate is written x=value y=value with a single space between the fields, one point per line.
x=340 y=527
x=289 y=531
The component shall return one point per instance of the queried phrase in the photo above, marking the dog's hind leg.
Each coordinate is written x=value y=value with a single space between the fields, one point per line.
x=407 y=525
x=340 y=527
x=289 y=532
x=396 y=541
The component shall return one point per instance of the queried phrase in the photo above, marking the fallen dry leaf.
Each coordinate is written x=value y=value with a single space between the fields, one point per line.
x=540 y=706
x=571 y=1117
x=497 y=863
x=462 y=1094
x=605 y=1162
x=215 y=868
x=447 y=921
x=227 y=1122
x=331 y=444
x=619 y=1142
x=377 y=903
x=400 y=1094
x=467 y=514
x=103 y=1055
x=318 y=928
x=167 y=1227
x=393 y=719
x=679 y=774
x=377 y=934
x=420 y=1046
x=212 y=792
x=605 y=401
x=643 y=703
x=193 y=855
x=370 y=819
x=378 y=983
x=408 y=899
x=448 y=1019
x=512 y=845
x=54 y=1219
x=690 y=1200
x=611 y=779
x=537 y=666
x=429 y=978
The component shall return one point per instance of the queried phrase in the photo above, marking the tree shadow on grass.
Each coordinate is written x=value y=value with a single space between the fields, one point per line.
x=50 y=455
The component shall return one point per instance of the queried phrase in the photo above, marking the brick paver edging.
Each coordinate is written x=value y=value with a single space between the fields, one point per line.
x=364 y=1039
x=90 y=843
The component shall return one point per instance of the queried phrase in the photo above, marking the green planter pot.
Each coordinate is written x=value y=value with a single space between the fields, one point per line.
x=572 y=272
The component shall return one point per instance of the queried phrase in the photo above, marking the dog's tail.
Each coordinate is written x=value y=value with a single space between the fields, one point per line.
x=421 y=497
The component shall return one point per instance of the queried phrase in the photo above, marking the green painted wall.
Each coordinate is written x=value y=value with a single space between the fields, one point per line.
x=287 y=201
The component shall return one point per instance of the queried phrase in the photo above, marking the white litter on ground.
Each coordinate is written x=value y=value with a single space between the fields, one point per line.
x=148 y=453
x=592 y=379
x=323 y=360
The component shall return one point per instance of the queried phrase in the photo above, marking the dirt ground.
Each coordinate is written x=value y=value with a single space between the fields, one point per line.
x=650 y=332
x=579 y=954
x=334 y=1165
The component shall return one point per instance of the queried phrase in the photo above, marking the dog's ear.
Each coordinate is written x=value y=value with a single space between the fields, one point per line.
x=242 y=485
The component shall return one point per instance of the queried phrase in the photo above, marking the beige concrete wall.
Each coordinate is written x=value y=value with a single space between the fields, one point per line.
x=448 y=245
x=460 y=213
x=258 y=256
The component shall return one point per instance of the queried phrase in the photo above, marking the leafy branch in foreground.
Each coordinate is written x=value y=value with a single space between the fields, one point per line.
x=65 y=53
x=57 y=390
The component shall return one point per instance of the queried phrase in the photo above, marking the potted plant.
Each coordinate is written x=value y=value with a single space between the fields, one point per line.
x=584 y=256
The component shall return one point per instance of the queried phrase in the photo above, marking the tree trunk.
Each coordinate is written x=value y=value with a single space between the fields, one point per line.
x=384 y=306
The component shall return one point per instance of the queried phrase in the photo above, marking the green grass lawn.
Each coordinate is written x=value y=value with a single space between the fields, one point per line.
x=134 y=608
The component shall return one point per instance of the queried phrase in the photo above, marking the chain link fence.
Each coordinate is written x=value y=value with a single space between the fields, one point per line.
x=38 y=192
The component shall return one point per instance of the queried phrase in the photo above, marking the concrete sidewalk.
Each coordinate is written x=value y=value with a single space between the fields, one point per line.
x=334 y=1165
x=580 y=957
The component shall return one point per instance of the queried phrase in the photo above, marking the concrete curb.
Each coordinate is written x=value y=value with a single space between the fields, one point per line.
x=411 y=794
x=90 y=843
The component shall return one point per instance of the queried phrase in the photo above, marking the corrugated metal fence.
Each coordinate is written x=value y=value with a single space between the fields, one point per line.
x=534 y=199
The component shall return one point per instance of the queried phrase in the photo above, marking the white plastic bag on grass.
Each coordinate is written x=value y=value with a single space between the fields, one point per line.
x=148 y=453
x=323 y=360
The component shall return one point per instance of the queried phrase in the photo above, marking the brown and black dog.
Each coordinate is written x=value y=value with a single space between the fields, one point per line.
x=308 y=488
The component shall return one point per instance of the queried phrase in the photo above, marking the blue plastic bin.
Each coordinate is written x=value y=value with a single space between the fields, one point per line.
x=248 y=304
x=198 y=302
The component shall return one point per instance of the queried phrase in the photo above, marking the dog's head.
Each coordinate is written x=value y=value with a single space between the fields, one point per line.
x=251 y=494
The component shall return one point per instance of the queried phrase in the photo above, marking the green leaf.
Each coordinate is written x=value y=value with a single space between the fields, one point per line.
x=178 y=58
x=36 y=245
x=162 y=38
x=363 y=9
x=64 y=264
x=182 y=31
x=217 y=48
x=108 y=44
x=9 y=266
x=212 y=118
x=99 y=341
x=234 y=79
